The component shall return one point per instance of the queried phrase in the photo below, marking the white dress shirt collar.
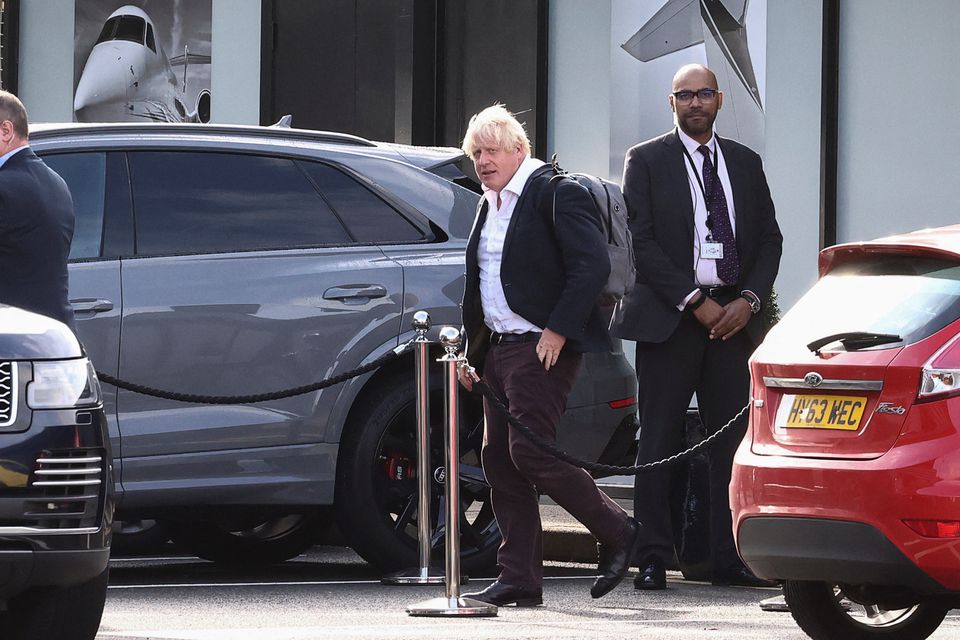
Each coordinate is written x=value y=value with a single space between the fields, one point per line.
x=692 y=145
x=516 y=183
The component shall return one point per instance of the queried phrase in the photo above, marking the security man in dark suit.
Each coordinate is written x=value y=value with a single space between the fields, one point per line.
x=36 y=222
x=528 y=312
x=707 y=250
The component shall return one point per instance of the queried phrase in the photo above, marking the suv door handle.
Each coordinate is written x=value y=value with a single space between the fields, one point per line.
x=91 y=305
x=353 y=291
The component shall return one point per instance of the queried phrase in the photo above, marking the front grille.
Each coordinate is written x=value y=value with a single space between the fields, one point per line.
x=70 y=484
x=8 y=393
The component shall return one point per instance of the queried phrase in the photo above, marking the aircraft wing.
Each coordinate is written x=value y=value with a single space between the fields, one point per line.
x=190 y=58
x=677 y=25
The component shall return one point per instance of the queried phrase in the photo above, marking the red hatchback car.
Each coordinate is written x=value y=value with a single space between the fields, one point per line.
x=847 y=484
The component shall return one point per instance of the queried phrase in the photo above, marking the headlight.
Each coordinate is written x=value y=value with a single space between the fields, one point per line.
x=63 y=384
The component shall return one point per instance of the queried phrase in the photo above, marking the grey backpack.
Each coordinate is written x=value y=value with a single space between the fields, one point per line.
x=612 y=213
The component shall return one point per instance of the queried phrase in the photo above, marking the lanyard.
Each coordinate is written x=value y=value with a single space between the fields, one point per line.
x=696 y=174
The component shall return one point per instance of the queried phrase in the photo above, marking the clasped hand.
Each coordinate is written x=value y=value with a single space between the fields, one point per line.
x=725 y=321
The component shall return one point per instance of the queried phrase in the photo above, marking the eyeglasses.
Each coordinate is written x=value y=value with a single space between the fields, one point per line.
x=686 y=96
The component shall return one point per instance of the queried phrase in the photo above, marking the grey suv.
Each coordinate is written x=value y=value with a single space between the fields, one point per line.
x=230 y=260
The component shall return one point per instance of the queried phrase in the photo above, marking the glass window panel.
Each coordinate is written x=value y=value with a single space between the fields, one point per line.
x=193 y=202
x=85 y=175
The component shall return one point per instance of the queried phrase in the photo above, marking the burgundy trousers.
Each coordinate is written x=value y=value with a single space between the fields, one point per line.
x=518 y=471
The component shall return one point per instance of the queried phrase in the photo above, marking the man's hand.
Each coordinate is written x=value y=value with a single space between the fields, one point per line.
x=736 y=315
x=548 y=349
x=466 y=375
x=709 y=313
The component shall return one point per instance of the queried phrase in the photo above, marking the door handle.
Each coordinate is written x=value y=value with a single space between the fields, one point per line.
x=354 y=291
x=91 y=305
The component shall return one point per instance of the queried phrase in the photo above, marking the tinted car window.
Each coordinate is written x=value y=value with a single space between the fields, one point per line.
x=84 y=174
x=191 y=202
x=424 y=192
x=366 y=216
x=908 y=296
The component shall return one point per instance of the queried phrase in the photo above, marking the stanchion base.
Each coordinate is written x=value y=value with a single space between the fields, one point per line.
x=467 y=607
x=426 y=575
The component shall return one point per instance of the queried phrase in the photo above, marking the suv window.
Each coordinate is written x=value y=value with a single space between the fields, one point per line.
x=198 y=202
x=368 y=218
x=909 y=296
x=85 y=174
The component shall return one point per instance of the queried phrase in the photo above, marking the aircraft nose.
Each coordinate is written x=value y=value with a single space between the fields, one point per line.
x=104 y=78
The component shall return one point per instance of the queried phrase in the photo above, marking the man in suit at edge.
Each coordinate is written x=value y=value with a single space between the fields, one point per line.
x=707 y=251
x=36 y=222
x=528 y=312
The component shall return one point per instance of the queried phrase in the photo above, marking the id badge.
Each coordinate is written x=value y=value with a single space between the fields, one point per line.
x=711 y=250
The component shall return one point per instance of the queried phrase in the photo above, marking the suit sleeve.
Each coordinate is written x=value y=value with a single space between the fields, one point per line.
x=654 y=267
x=583 y=251
x=763 y=273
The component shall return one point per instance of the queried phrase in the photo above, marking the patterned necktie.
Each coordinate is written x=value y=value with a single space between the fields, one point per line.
x=728 y=267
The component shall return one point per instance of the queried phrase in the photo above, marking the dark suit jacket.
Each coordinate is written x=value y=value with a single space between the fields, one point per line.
x=657 y=194
x=36 y=228
x=551 y=274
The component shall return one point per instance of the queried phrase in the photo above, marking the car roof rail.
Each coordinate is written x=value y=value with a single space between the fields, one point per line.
x=40 y=131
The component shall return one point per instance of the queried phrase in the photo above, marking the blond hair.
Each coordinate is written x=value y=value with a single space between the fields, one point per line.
x=495 y=127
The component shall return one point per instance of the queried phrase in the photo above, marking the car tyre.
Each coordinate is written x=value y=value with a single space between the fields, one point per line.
x=377 y=490
x=69 y=613
x=817 y=608
x=138 y=537
x=266 y=541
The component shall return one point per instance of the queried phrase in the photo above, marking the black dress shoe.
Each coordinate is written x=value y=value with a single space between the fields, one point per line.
x=616 y=561
x=739 y=577
x=502 y=594
x=652 y=577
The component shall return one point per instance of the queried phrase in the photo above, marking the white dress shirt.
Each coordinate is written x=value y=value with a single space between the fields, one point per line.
x=496 y=312
x=705 y=269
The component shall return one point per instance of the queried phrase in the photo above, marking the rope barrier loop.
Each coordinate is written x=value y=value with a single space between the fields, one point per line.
x=260 y=397
x=600 y=470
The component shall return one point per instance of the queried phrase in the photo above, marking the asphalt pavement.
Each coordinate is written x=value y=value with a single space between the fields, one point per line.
x=330 y=593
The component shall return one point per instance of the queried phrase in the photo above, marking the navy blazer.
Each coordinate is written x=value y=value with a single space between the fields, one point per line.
x=36 y=228
x=551 y=274
x=657 y=193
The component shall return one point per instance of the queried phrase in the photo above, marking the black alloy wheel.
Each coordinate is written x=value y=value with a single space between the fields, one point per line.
x=377 y=487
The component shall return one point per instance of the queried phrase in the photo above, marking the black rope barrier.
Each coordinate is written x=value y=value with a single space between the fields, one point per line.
x=601 y=470
x=260 y=397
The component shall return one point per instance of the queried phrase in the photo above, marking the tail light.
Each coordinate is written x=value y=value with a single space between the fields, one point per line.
x=622 y=403
x=940 y=376
x=935 y=528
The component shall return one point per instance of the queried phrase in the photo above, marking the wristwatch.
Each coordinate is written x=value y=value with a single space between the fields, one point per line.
x=752 y=299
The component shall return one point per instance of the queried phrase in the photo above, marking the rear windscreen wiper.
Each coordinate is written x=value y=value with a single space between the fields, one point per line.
x=854 y=340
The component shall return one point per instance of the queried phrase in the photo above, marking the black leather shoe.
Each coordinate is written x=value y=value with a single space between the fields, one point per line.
x=739 y=577
x=502 y=594
x=616 y=561
x=653 y=577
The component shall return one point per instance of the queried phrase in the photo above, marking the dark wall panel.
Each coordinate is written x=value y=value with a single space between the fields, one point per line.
x=403 y=70
x=492 y=54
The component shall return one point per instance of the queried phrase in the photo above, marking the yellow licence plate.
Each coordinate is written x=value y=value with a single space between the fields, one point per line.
x=821 y=412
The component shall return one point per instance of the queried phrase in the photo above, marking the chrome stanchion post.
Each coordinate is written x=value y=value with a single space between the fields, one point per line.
x=452 y=604
x=424 y=574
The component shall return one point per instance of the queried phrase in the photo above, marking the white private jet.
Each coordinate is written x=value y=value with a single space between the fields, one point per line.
x=128 y=76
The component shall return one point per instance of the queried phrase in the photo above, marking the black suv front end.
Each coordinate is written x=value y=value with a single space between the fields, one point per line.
x=56 y=485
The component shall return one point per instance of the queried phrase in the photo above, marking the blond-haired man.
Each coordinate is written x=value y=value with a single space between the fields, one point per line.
x=529 y=313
